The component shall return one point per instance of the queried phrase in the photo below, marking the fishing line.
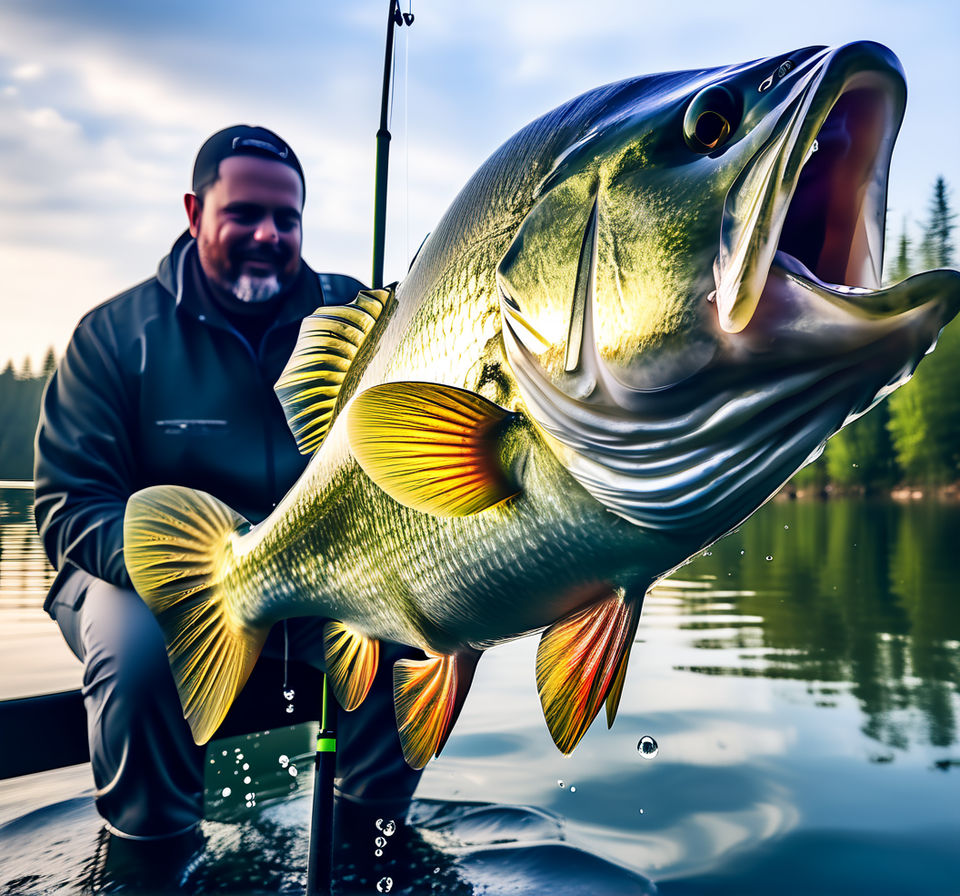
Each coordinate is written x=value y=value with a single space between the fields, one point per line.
x=406 y=141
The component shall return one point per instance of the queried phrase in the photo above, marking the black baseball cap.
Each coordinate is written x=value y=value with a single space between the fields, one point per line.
x=241 y=140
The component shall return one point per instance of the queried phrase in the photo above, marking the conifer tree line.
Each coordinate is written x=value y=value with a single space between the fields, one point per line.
x=912 y=438
x=20 y=392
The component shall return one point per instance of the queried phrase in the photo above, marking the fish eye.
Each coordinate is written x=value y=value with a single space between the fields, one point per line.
x=712 y=116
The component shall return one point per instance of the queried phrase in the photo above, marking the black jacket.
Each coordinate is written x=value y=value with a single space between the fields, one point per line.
x=156 y=388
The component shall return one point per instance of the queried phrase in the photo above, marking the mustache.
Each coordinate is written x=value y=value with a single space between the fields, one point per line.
x=273 y=255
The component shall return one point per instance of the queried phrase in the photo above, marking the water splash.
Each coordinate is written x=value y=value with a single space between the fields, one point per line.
x=647 y=747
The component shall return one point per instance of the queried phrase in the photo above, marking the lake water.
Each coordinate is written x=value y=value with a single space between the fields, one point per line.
x=801 y=681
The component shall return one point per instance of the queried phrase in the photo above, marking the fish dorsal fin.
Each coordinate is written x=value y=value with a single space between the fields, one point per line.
x=427 y=698
x=581 y=661
x=432 y=447
x=325 y=355
x=351 y=663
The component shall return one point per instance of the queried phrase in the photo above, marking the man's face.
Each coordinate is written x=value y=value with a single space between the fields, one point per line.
x=247 y=227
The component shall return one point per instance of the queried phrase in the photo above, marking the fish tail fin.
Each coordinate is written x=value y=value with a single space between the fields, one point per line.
x=178 y=547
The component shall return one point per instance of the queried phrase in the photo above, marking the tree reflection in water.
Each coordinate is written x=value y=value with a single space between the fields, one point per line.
x=854 y=597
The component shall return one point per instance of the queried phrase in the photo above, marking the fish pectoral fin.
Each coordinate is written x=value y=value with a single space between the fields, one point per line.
x=581 y=662
x=432 y=447
x=351 y=663
x=330 y=340
x=177 y=544
x=427 y=697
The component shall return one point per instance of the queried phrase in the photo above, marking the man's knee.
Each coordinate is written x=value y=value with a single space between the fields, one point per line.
x=122 y=642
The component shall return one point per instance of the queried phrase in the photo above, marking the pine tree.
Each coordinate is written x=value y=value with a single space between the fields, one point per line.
x=902 y=266
x=925 y=414
x=49 y=364
x=937 y=246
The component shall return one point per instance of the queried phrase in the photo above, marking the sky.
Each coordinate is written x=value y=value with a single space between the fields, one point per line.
x=103 y=105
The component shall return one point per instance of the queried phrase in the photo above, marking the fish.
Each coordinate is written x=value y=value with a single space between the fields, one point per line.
x=640 y=317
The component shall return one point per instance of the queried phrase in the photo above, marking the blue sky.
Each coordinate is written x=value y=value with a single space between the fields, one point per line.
x=103 y=105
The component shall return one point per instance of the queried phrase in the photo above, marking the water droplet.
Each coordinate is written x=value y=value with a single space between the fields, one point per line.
x=250 y=796
x=289 y=694
x=641 y=811
x=786 y=527
x=246 y=780
x=559 y=782
x=742 y=553
x=381 y=842
x=239 y=756
x=385 y=885
x=284 y=760
x=573 y=789
x=378 y=852
x=769 y=557
x=708 y=553
x=293 y=771
x=289 y=707
x=226 y=791
x=389 y=828
x=379 y=824
x=436 y=870
x=647 y=747
x=224 y=752
x=246 y=766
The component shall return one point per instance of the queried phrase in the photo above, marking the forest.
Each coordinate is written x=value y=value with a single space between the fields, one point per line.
x=911 y=440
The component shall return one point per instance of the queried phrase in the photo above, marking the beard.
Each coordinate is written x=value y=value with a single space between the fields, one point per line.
x=251 y=290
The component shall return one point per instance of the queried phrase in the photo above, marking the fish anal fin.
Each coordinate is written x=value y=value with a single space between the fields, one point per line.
x=330 y=340
x=428 y=696
x=432 y=447
x=352 y=660
x=581 y=662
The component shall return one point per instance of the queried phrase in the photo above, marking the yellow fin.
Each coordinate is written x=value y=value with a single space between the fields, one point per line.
x=177 y=547
x=427 y=697
x=351 y=663
x=312 y=383
x=581 y=661
x=431 y=447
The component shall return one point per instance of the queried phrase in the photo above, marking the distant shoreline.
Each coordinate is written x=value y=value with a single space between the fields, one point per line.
x=903 y=494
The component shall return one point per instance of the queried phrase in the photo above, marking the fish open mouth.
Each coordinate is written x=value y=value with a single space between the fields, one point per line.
x=833 y=227
x=821 y=178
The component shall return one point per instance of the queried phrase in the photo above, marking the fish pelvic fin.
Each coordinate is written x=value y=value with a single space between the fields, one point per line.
x=581 y=662
x=432 y=447
x=352 y=660
x=178 y=551
x=324 y=363
x=427 y=698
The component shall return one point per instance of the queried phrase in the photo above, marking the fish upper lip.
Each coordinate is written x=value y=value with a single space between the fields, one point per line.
x=761 y=227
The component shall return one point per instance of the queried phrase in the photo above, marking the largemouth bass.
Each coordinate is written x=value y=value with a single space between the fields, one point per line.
x=642 y=315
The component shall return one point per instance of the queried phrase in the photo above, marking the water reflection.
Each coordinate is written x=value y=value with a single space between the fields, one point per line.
x=855 y=598
x=25 y=574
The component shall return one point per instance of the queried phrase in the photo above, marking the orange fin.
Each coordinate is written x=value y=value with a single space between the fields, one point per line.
x=351 y=663
x=582 y=661
x=428 y=696
x=431 y=447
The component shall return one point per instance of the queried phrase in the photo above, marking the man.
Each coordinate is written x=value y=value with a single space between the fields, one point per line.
x=172 y=382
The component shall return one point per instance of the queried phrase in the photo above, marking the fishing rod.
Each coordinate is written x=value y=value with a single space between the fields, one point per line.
x=320 y=849
x=395 y=19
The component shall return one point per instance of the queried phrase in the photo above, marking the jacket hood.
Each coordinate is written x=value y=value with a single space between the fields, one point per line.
x=170 y=269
